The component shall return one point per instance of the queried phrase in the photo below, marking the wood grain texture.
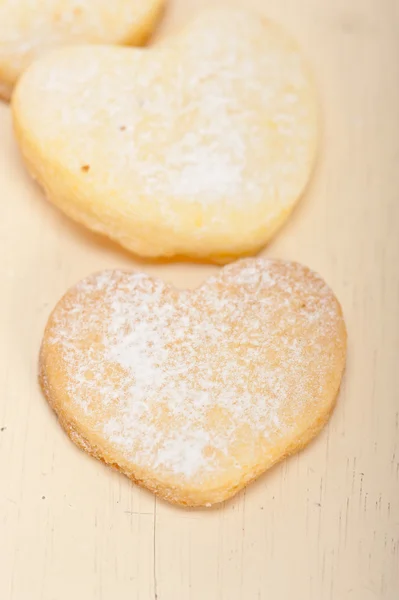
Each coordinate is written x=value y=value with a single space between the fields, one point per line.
x=323 y=525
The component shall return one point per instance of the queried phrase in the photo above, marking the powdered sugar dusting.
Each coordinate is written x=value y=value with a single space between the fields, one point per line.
x=186 y=382
x=224 y=114
x=28 y=28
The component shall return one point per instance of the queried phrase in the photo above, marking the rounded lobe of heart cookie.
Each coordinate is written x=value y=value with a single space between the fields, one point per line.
x=29 y=28
x=198 y=147
x=193 y=394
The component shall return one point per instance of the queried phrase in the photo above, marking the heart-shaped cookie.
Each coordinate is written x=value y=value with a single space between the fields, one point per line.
x=193 y=394
x=28 y=28
x=197 y=147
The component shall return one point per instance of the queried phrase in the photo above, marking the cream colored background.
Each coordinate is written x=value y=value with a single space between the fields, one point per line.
x=324 y=524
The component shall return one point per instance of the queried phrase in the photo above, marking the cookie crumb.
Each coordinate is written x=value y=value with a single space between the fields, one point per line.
x=85 y=168
x=122 y=127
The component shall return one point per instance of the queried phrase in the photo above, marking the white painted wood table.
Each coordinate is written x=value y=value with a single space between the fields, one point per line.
x=323 y=525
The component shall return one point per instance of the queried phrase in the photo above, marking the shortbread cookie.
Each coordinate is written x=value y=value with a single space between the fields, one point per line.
x=199 y=147
x=194 y=394
x=28 y=28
